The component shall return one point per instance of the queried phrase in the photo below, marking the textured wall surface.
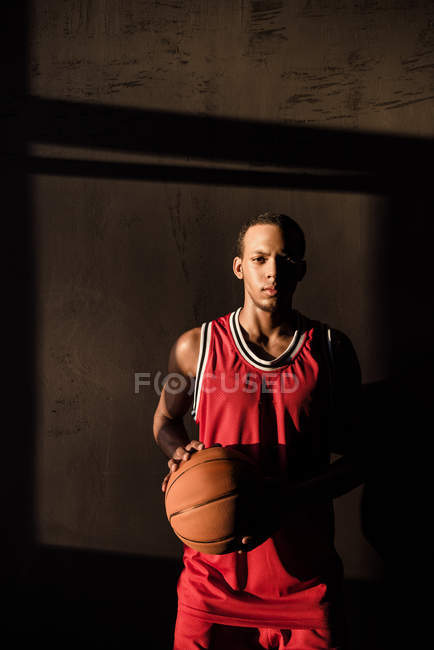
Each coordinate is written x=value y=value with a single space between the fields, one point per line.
x=123 y=267
x=364 y=64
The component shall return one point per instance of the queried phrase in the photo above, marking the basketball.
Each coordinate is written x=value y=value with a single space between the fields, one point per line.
x=211 y=499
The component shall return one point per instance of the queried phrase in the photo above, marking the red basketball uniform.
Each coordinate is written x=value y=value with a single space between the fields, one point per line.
x=277 y=412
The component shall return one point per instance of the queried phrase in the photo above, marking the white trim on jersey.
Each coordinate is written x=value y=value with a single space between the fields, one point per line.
x=205 y=340
x=327 y=347
x=264 y=364
x=329 y=341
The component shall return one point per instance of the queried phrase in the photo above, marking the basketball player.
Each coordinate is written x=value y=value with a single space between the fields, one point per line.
x=284 y=389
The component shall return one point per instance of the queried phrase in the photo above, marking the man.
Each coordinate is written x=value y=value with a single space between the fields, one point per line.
x=285 y=390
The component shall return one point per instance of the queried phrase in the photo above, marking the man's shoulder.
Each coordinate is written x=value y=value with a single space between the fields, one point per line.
x=335 y=335
x=185 y=352
x=343 y=355
x=341 y=342
x=340 y=347
x=189 y=340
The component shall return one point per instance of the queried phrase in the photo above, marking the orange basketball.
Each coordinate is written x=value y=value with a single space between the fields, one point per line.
x=211 y=499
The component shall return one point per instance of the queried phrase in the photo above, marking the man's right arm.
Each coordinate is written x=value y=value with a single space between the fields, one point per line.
x=175 y=401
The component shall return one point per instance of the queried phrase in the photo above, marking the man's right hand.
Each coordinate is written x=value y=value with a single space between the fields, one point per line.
x=181 y=453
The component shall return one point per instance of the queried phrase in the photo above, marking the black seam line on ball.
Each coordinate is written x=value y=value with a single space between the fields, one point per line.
x=204 y=503
x=211 y=460
x=213 y=541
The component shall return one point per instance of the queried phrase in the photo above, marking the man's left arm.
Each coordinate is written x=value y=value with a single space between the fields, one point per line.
x=345 y=473
x=345 y=436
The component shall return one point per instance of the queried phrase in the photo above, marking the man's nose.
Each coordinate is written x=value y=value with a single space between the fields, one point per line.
x=272 y=268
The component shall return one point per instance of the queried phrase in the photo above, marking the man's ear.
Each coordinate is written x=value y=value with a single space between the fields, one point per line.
x=238 y=267
x=301 y=270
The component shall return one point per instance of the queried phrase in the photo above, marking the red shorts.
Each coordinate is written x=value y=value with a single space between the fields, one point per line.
x=192 y=633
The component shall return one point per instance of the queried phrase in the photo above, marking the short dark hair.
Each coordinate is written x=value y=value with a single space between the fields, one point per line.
x=288 y=226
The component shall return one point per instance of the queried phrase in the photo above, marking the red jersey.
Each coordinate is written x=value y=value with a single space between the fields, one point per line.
x=277 y=412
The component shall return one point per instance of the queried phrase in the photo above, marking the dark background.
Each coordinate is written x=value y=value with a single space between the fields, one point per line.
x=137 y=136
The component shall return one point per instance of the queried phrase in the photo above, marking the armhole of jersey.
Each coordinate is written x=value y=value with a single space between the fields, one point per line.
x=205 y=340
x=330 y=348
x=328 y=352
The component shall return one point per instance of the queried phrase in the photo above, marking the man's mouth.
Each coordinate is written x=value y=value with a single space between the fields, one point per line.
x=271 y=290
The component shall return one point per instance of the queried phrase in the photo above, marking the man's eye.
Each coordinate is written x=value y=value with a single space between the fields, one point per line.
x=258 y=259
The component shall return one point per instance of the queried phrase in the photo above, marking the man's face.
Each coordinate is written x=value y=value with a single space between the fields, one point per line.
x=270 y=277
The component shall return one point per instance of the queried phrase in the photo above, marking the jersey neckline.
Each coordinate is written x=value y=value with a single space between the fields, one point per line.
x=263 y=364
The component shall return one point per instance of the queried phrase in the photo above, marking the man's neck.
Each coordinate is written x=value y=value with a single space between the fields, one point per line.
x=264 y=325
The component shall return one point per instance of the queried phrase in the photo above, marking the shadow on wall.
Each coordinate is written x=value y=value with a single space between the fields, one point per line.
x=18 y=312
x=87 y=599
x=340 y=160
x=396 y=503
x=396 y=431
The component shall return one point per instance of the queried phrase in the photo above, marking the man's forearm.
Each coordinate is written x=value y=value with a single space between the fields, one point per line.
x=170 y=434
x=339 y=478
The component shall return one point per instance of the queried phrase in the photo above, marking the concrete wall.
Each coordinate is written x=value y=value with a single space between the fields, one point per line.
x=124 y=266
